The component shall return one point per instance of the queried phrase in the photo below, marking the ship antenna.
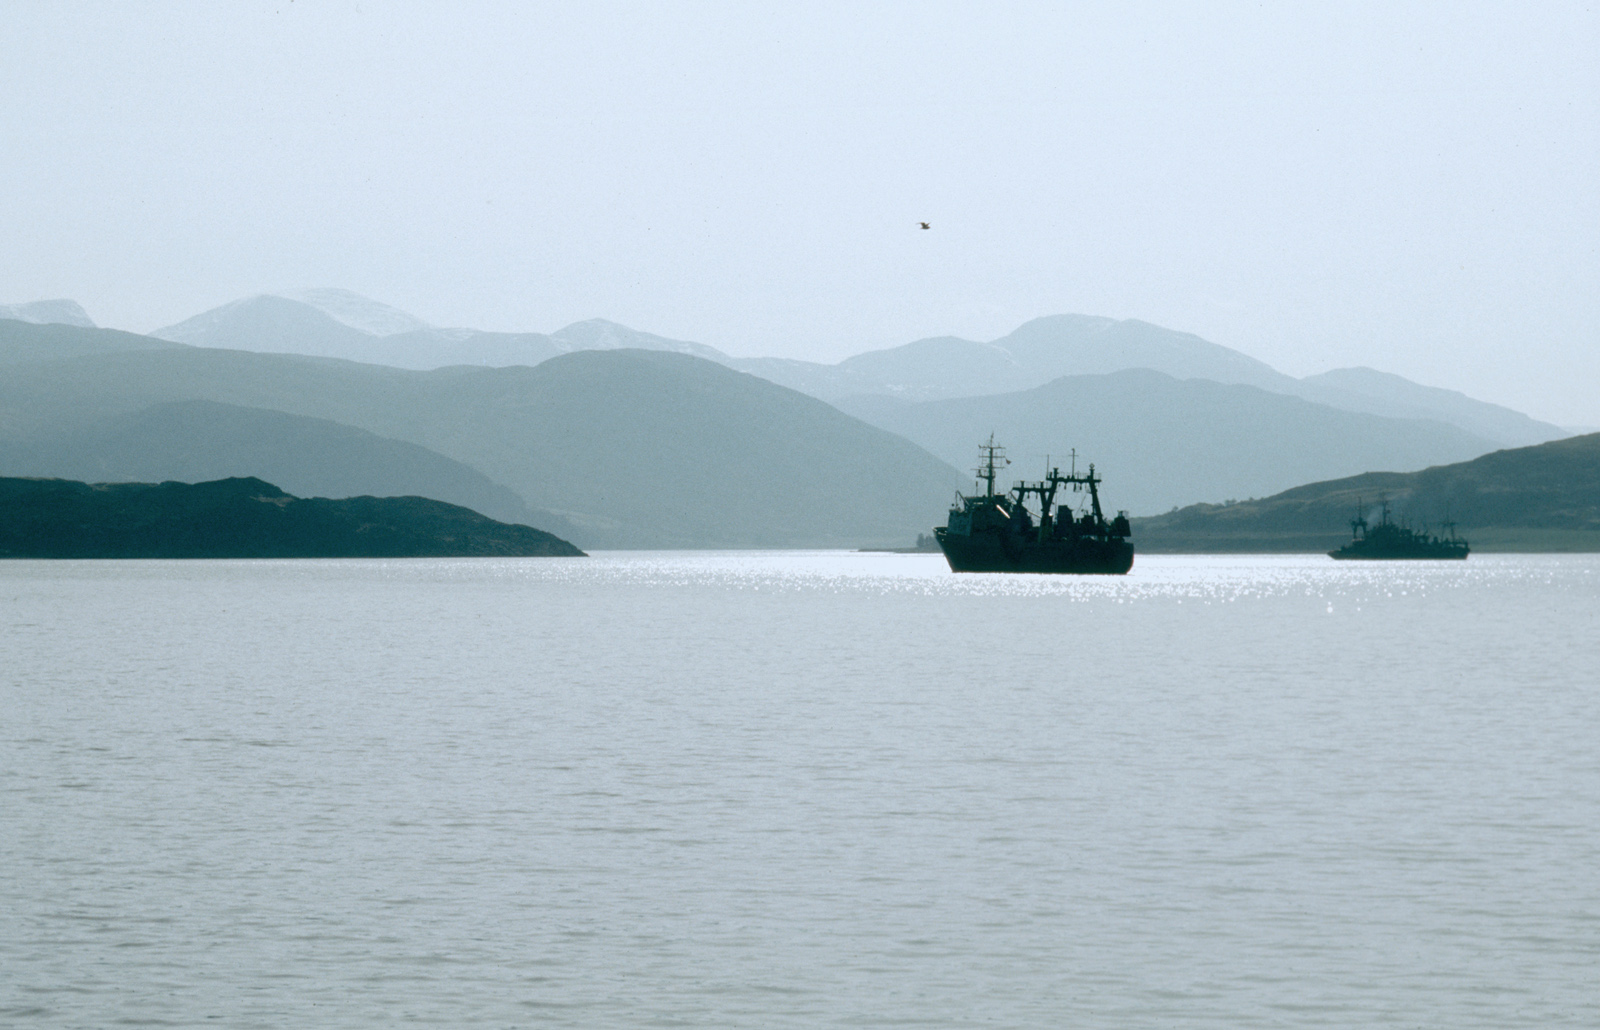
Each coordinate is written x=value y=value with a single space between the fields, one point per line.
x=986 y=466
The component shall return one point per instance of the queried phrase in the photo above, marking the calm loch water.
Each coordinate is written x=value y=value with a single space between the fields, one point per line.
x=800 y=790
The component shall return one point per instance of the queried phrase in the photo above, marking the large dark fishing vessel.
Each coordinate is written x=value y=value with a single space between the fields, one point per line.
x=993 y=532
x=1387 y=541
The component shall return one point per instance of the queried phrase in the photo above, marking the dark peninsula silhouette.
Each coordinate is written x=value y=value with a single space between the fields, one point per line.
x=245 y=518
x=197 y=441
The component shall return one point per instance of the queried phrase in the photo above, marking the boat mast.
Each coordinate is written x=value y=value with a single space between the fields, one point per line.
x=1047 y=494
x=986 y=464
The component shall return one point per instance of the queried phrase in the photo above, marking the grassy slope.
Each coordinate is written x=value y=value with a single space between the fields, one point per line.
x=1540 y=498
x=26 y=342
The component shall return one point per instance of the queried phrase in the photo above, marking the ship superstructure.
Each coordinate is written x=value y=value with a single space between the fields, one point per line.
x=990 y=531
x=1387 y=541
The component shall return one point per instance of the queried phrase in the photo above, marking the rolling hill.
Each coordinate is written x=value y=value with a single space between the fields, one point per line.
x=1045 y=349
x=197 y=441
x=338 y=323
x=1380 y=393
x=23 y=343
x=631 y=448
x=1540 y=498
x=1162 y=442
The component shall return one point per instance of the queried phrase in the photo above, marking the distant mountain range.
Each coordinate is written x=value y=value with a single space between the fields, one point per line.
x=1541 y=498
x=49 y=312
x=616 y=438
x=337 y=323
x=623 y=448
x=340 y=324
x=1049 y=348
x=1161 y=442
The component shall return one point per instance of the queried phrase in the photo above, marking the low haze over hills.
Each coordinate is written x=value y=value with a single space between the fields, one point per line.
x=337 y=323
x=613 y=437
x=281 y=325
x=55 y=312
x=340 y=324
x=630 y=448
x=194 y=441
x=1034 y=354
x=1163 y=442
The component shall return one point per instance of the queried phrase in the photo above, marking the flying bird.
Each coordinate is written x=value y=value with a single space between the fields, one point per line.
x=925 y=225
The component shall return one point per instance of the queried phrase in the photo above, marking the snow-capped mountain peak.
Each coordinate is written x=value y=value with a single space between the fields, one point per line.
x=49 y=312
x=358 y=312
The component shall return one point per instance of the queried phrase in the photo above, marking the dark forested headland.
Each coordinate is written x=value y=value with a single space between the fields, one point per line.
x=245 y=518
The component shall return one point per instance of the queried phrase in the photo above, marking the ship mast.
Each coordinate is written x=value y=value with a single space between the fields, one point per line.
x=1053 y=480
x=992 y=452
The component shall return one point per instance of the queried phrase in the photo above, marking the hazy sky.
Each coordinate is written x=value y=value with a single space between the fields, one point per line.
x=1412 y=187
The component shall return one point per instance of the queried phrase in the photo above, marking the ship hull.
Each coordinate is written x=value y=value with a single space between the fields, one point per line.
x=996 y=552
x=1374 y=554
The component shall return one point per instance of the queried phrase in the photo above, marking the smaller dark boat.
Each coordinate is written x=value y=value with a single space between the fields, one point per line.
x=996 y=532
x=1389 y=542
